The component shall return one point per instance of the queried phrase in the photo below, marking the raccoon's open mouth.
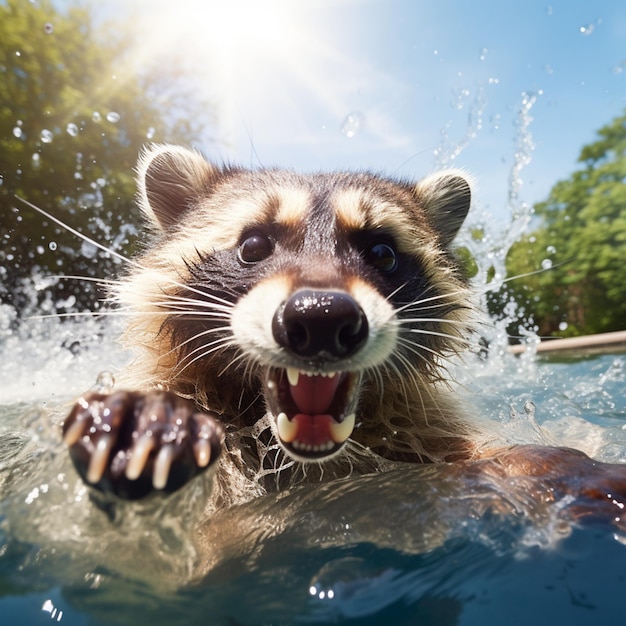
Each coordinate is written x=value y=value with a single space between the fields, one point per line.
x=314 y=413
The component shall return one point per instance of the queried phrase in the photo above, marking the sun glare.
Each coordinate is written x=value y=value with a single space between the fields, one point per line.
x=247 y=53
x=243 y=27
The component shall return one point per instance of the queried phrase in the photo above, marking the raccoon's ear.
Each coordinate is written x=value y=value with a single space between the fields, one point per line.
x=446 y=198
x=170 y=179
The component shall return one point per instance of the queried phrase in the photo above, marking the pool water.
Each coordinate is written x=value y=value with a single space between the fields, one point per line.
x=417 y=545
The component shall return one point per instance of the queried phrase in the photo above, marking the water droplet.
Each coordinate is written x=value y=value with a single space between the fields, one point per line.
x=36 y=160
x=587 y=30
x=72 y=129
x=483 y=54
x=563 y=326
x=48 y=28
x=551 y=250
x=46 y=136
x=352 y=124
x=17 y=132
x=529 y=409
x=52 y=245
x=96 y=117
x=39 y=249
x=150 y=133
x=105 y=382
x=459 y=98
x=546 y=264
x=18 y=54
x=113 y=117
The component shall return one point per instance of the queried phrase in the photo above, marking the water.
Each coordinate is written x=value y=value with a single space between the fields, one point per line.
x=353 y=124
x=443 y=545
x=427 y=545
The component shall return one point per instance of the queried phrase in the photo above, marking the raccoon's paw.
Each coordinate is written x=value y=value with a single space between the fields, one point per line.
x=131 y=444
x=593 y=491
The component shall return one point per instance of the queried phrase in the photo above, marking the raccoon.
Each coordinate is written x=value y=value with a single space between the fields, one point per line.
x=286 y=325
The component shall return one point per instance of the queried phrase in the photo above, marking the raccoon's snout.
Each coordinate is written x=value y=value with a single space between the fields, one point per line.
x=320 y=324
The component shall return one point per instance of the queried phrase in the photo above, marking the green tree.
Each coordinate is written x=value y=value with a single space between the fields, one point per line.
x=74 y=113
x=582 y=236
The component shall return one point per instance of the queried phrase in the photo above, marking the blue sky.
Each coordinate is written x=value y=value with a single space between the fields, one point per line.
x=423 y=80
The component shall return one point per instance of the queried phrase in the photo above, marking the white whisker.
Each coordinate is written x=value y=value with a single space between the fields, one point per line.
x=443 y=320
x=415 y=347
x=423 y=331
x=80 y=235
x=215 y=346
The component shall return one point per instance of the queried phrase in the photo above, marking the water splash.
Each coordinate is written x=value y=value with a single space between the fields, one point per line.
x=520 y=211
x=46 y=136
x=105 y=382
x=353 y=124
x=620 y=67
x=587 y=30
x=448 y=150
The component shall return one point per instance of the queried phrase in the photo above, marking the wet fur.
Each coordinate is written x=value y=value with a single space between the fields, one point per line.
x=187 y=291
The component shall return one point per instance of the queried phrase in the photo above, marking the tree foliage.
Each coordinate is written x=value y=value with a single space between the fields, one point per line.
x=74 y=113
x=582 y=236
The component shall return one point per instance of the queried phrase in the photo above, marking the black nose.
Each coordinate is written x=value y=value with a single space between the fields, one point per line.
x=327 y=324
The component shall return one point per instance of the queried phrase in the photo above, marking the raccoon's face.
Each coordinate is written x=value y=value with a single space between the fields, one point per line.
x=319 y=287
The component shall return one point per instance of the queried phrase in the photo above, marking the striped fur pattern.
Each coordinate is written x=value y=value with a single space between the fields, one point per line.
x=229 y=247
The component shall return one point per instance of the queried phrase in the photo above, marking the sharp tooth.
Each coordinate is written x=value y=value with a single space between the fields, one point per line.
x=287 y=430
x=340 y=432
x=293 y=376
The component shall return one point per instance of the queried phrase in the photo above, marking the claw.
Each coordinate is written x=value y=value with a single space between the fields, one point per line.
x=99 y=459
x=139 y=456
x=202 y=452
x=162 y=466
x=74 y=432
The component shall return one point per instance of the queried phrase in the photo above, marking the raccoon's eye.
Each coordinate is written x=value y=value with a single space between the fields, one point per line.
x=382 y=257
x=255 y=247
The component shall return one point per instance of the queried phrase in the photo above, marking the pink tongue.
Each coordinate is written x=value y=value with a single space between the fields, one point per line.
x=313 y=429
x=314 y=394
